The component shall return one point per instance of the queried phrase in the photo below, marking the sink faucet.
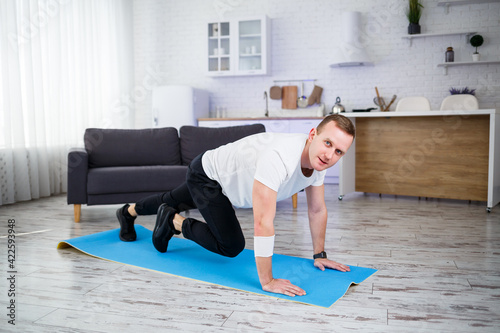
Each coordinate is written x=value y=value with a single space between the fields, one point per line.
x=265 y=97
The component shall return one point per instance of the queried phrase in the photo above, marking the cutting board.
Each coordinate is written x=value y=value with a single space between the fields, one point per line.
x=289 y=96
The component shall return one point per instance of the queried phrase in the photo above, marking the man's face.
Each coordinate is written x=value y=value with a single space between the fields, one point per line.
x=328 y=146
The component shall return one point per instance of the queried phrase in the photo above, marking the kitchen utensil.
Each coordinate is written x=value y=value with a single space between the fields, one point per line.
x=337 y=108
x=380 y=102
x=267 y=106
x=275 y=92
x=363 y=110
x=302 y=100
x=289 y=97
x=378 y=99
x=390 y=103
x=315 y=96
x=382 y=106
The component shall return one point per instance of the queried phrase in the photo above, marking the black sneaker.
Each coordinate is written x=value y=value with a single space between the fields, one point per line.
x=164 y=228
x=127 y=230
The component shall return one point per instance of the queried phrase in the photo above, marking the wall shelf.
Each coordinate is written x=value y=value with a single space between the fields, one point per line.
x=448 y=3
x=467 y=34
x=466 y=63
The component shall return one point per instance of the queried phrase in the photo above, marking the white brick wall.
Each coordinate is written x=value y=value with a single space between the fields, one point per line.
x=169 y=42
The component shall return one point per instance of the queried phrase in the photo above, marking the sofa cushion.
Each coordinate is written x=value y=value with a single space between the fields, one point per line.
x=130 y=147
x=197 y=140
x=157 y=178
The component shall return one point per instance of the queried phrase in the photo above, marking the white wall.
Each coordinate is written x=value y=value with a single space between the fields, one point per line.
x=170 y=37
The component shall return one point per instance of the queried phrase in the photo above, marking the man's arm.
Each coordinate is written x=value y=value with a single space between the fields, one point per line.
x=318 y=217
x=264 y=211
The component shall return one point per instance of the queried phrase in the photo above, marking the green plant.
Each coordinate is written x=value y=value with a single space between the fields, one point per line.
x=414 y=11
x=476 y=41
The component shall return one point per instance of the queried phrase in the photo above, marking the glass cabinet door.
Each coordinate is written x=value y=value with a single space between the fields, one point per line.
x=250 y=45
x=219 y=47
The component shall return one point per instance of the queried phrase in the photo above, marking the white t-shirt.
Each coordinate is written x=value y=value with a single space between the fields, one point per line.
x=271 y=158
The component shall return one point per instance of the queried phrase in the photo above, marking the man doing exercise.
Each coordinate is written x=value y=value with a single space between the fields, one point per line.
x=254 y=172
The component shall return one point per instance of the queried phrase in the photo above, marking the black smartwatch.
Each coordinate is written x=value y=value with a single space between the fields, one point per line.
x=321 y=255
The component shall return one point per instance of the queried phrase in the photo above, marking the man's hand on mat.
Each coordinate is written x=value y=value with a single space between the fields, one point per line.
x=327 y=263
x=280 y=286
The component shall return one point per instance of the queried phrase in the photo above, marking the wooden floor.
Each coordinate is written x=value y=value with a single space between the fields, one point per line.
x=438 y=262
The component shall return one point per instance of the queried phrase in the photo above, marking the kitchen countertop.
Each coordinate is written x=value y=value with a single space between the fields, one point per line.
x=257 y=118
x=373 y=115
x=420 y=113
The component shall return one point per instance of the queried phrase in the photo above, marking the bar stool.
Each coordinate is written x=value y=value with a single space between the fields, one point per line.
x=460 y=102
x=414 y=103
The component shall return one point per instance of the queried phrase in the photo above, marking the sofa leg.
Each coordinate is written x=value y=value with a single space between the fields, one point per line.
x=78 y=210
x=294 y=200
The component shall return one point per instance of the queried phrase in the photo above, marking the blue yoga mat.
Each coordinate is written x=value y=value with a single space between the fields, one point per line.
x=187 y=259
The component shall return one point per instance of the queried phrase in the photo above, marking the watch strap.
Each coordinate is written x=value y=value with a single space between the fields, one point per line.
x=321 y=255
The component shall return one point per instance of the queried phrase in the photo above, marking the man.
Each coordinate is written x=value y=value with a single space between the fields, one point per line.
x=256 y=171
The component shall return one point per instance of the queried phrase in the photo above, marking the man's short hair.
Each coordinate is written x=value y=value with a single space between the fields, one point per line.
x=342 y=122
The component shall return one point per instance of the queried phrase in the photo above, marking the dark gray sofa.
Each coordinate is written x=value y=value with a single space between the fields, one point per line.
x=122 y=166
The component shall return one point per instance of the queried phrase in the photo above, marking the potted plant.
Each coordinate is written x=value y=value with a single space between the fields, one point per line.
x=463 y=91
x=476 y=41
x=413 y=13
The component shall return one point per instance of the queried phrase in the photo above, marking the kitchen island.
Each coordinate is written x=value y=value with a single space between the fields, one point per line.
x=435 y=154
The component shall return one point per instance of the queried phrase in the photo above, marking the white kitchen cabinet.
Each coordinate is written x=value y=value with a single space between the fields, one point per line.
x=239 y=47
x=276 y=126
x=215 y=123
x=288 y=125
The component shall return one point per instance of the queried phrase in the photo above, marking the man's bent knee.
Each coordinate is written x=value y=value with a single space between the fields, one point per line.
x=233 y=250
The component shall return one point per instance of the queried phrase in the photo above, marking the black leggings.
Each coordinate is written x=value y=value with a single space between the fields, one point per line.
x=222 y=231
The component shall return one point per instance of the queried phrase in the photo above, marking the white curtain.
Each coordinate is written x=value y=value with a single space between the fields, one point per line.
x=64 y=67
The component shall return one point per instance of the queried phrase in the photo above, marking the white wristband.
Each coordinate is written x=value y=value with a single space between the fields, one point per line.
x=263 y=246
